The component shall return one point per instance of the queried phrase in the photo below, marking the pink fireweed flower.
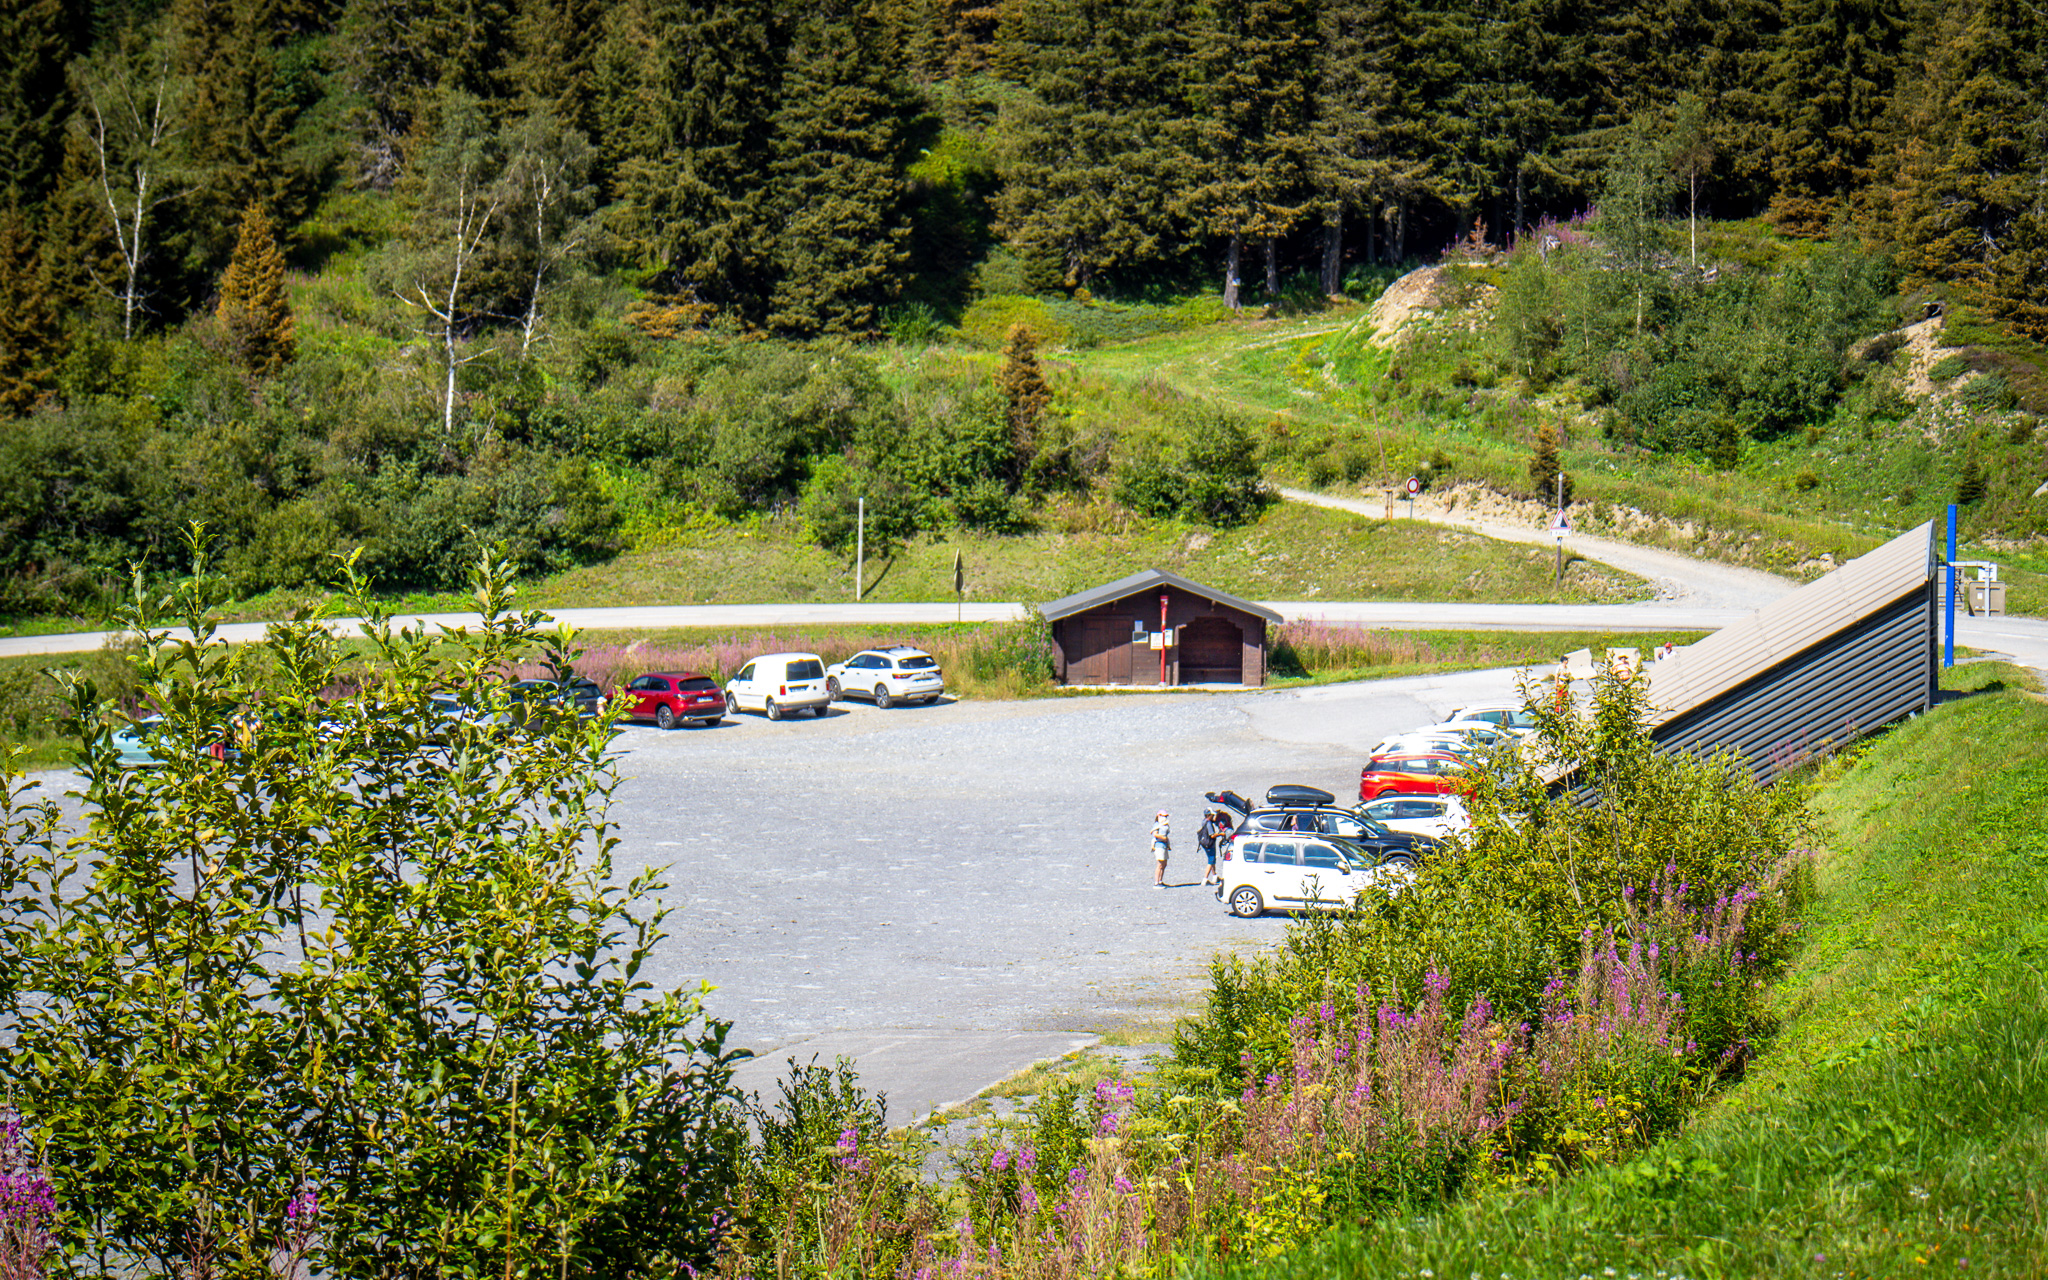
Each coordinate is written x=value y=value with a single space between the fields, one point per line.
x=999 y=1160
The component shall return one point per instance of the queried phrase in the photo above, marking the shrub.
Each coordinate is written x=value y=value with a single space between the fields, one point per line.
x=1987 y=391
x=1949 y=367
x=1806 y=481
x=402 y=980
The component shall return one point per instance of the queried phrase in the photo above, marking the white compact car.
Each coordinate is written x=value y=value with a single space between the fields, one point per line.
x=1286 y=871
x=898 y=673
x=1511 y=716
x=1437 y=816
x=1465 y=736
x=779 y=683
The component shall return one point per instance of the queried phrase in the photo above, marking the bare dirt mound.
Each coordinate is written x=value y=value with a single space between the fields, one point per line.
x=1411 y=295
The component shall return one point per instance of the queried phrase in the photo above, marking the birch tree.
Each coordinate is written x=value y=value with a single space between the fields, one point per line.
x=549 y=205
x=132 y=126
x=460 y=177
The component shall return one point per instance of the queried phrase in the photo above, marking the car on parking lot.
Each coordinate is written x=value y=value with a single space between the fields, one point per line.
x=533 y=698
x=666 y=697
x=134 y=746
x=899 y=673
x=1312 y=810
x=1287 y=870
x=1427 y=773
x=1512 y=716
x=1433 y=816
x=776 y=684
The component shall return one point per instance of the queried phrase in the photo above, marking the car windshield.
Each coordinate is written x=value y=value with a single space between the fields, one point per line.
x=918 y=663
x=697 y=684
x=806 y=669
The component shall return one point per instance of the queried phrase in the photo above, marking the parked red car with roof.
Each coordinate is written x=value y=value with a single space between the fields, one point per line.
x=1424 y=773
x=668 y=696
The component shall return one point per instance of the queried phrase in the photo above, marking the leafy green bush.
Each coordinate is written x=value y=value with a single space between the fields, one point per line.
x=1503 y=912
x=1206 y=469
x=336 y=955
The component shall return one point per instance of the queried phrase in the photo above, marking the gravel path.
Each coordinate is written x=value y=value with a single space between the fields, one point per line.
x=1679 y=580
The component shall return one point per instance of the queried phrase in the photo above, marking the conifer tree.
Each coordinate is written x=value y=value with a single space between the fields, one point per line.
x=1093 y=159
x=253 y=310
x=1247 y=136
x=693 y=157
x=1376 y=83
x=29 y=332
x=555 y=67
x=841 y=142
x=1026 y=396
x=1972 y=153
x=1832 y=75
x=36 y=42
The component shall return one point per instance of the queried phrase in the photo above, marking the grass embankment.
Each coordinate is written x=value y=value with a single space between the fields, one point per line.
x=1291 y=553
x=1343 y=415
x=1898 y=1124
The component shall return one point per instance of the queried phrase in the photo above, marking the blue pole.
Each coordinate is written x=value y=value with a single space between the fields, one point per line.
x=1948 y=631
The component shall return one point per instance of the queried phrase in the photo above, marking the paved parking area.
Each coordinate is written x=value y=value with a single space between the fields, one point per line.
x=950 y=893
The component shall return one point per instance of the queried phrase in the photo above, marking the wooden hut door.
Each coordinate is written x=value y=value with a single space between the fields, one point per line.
x=1103 y=655
x=1211 y=652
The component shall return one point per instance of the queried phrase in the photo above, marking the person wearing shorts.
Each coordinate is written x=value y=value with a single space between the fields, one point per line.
x=1162 y=845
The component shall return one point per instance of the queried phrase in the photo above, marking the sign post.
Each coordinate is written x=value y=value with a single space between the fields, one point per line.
x=1414 y=487
x=959 y=587
x=1948 y=630
x=1560 y=526
x=860 y=548
x=1165 y=639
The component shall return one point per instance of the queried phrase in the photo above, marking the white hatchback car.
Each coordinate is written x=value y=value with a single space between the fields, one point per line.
x=1437 y=816
x=778 y=683
x=898 y=673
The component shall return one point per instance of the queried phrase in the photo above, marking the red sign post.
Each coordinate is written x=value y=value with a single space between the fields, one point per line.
x=1164 y=640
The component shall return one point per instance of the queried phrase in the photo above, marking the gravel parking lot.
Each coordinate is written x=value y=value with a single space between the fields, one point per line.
x=950 y=893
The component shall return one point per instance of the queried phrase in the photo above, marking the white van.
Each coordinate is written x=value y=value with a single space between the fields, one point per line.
x=776 y=683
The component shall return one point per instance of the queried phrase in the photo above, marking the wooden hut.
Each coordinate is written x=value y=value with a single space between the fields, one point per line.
x=1157 y=628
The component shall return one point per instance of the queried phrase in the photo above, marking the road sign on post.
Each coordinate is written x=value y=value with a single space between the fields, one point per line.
x=1414 y=487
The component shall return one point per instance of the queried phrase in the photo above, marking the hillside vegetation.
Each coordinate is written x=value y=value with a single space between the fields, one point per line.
x=575 y=278
x=1898 y=1120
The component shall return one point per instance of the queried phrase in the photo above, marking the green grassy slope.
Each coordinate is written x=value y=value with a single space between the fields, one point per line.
x=1343 y=415
x=1898 y=1125
x=1291 y=553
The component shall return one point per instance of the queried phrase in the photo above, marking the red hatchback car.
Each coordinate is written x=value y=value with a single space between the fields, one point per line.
x=1425 y=773
x=668 y=696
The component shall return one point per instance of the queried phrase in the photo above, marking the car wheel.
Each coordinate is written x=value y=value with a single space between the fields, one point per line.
x=1245 y=902
x=820 y=711
x=1400 y=862
x=929 y=701
x=710 y=723
x=664 y=718
x=1384 y=794
x=774 y=712
x=732 y=704
x=832 y=687
x=882 y=696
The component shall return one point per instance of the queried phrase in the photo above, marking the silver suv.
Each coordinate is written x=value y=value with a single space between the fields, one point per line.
x=1285 y=871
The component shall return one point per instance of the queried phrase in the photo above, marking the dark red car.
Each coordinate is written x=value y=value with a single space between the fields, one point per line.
x=1425 y=773
x=668 y=696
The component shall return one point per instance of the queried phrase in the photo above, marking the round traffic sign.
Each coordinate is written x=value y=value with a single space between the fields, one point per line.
x=1414 y=486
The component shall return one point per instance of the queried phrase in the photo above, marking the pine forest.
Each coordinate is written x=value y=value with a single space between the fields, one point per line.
x=409 y=275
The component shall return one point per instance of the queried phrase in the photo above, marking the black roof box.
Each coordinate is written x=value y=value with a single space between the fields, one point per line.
x=1290 y=795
